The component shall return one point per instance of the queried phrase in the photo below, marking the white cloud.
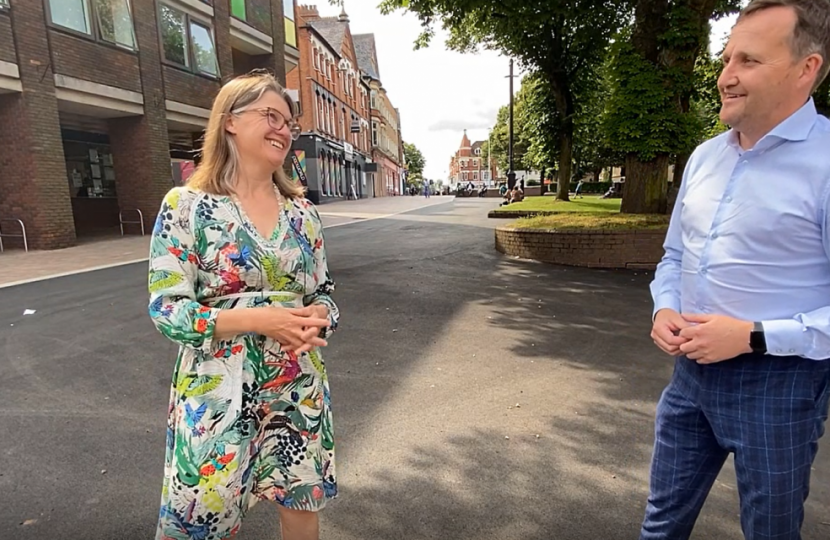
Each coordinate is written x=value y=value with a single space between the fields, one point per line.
x=459 y=125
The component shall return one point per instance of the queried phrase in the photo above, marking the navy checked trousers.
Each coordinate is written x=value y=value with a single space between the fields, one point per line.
x=769 y=411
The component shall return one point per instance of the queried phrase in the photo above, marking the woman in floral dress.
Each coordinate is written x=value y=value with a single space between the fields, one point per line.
x=238 y=279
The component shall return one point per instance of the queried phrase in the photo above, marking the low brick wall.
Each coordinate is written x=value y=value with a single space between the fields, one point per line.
x=592 y=248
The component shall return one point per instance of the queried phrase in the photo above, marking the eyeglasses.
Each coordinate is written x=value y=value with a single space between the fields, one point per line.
x=276 y=120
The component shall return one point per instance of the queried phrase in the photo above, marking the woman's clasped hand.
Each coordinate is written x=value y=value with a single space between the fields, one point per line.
x=296 y=329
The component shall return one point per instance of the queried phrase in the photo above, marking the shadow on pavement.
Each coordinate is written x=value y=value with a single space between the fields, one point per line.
x=441 y=338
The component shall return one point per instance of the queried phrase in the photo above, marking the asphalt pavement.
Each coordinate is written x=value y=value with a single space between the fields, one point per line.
x=476 y=397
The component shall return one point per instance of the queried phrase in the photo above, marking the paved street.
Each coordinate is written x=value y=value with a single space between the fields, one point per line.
x=477 y=397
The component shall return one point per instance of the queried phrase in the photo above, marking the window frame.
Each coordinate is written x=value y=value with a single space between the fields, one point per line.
x=190 y=66
x=94 y=34
x=4 y=5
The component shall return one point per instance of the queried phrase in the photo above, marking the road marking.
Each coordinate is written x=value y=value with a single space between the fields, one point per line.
x=145 y=259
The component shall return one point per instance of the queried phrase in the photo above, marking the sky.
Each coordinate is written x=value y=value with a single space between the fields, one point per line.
x=439 y=92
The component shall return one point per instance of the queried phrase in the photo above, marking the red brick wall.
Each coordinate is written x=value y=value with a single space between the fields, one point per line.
x=85 y=59
x=304 y=75
x=33 y=183
x=140 y=145
x=589 y=248
x=7 y=52
x=222 y=33
x=276 y=61
x=189 y=88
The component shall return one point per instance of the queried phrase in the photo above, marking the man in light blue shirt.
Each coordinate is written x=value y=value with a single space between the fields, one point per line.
x=742 y=295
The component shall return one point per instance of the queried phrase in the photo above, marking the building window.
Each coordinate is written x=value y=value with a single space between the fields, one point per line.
x=316 y=60
x=113 y=19
x=374 y=133
x=374 y=99
x=4 y=3
x=322 y=114
x=177 y=31
x=290 y=25
x=238 y=9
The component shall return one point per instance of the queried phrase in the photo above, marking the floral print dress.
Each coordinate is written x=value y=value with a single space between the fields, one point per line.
x=246 y=420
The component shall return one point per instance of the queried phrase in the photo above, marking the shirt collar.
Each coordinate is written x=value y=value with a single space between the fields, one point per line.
x=796 y=127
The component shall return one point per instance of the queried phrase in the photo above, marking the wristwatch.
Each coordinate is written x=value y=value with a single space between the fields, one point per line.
x=757 y=339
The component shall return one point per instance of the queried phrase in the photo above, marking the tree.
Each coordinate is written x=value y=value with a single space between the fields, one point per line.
x=414 y=159
x=557 y=39
x=652 y=76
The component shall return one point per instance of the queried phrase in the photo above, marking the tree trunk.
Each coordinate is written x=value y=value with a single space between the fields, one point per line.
x=597 y=172
x=565 y=153
x=652 y=19
x=644 y=191
x=542 y=187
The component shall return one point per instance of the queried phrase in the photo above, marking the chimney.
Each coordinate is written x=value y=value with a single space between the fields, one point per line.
x=308 y=13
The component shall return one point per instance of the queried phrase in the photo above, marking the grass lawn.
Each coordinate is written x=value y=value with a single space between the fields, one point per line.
x=549 y=204
x=597 y=219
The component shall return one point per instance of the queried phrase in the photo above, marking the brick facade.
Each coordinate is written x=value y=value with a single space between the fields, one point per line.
x=189 y=88
x=309 y=79
x=587 y=248
x=7 y=51
x=469 y=163
x=34 y=184
x=73 y=56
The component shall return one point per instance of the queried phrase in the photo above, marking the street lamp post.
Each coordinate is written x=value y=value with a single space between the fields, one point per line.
x=511 y=174
x=489 y=162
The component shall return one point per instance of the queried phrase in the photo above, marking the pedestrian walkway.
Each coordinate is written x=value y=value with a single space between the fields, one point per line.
x=18 y=267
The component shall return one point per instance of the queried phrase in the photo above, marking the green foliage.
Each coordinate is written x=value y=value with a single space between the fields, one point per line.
x=641 y=114
x=706 y=102
x=557 y=40
x=414 y=159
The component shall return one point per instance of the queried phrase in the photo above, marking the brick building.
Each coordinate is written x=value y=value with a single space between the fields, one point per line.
x=470 y=164
x=387 y=143
x=334 y=149
x=103 y=102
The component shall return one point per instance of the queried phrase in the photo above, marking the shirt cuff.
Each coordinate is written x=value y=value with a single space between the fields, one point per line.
x=784 y=337
x=665 y=301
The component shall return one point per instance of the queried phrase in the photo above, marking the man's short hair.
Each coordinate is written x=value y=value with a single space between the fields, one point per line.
x=812 y=28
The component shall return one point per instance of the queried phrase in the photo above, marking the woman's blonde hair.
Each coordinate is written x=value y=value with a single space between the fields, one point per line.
x=219 y=167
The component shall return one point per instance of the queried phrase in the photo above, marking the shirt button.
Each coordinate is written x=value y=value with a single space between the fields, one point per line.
x=792 y=350
x=728 y=199
x=713 y=235
x=703 y=271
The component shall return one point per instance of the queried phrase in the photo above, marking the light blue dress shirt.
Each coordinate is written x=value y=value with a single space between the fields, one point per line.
x=750 y=235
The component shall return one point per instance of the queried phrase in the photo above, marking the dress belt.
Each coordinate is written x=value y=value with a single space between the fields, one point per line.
x=279 y=296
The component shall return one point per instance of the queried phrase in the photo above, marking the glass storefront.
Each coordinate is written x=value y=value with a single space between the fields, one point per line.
x=89 y=167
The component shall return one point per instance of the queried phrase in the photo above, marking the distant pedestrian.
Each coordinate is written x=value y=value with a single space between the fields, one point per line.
x=238 y=279
x=578 y=191
x=742 y=295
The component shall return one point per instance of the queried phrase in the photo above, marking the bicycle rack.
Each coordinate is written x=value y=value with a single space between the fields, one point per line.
x=139 y=222
x=8 y=235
